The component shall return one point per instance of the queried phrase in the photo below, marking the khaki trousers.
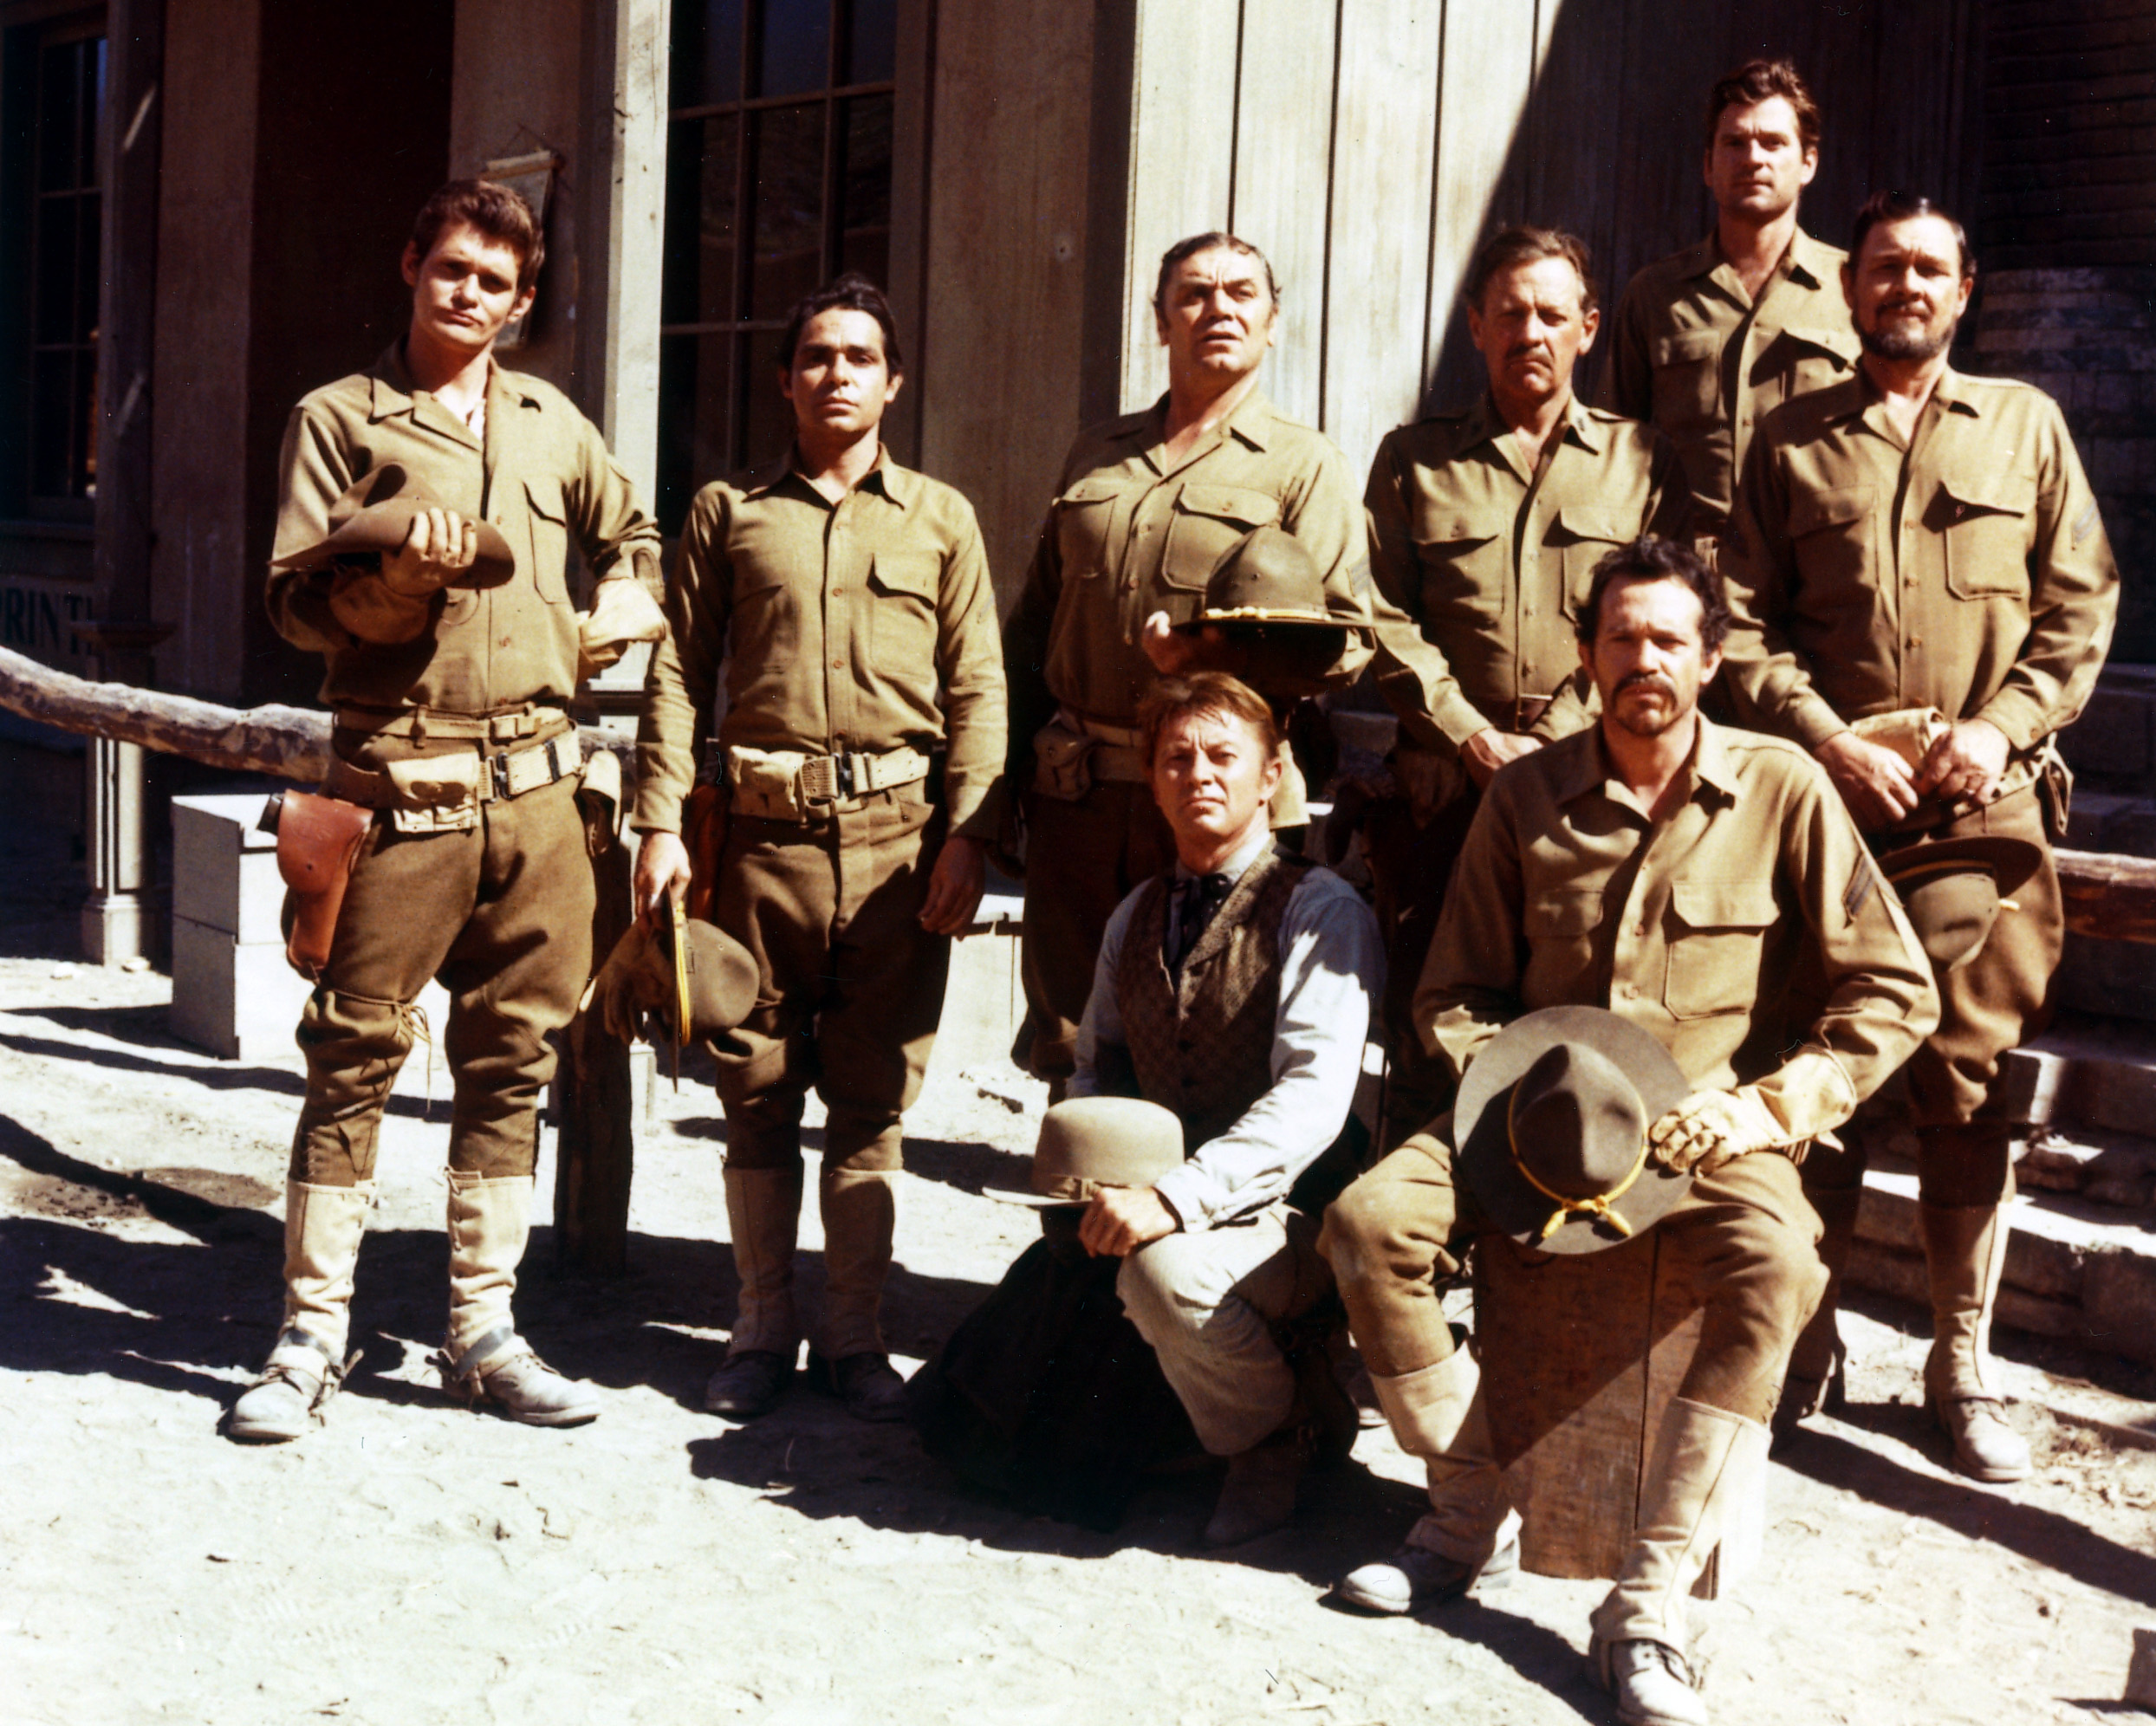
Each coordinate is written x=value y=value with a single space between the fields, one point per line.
x=501 y=914
x=1083 y=860
x=853 y=984
x=1746 y=1233
x=1207 y=1301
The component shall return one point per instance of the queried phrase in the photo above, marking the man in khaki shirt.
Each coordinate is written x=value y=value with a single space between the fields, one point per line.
x=1918 y=543
x=491 y=890
x=848 y=601
x=1712 y=337
x=1706 y=886
x=1484 y=528
x=1148 y=505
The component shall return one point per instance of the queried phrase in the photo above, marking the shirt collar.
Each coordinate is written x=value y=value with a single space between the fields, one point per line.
x=885 y=478
x=1240 y=861
x=1951 y=394
x=1486 y=424
x=391 y=391
x=1806 y=260
x=1249 y=423
x=1589 y=769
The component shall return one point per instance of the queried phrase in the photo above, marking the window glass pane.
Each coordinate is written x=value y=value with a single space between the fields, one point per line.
x=699 y=283
x=55 y=269
x=771 y=415
x=865 y=189
x=872 y=41
x=58 y=121
x=705 y=65
x=92 y=105
x=52 y=401
x=696 y=411
x=86 y=421
x=788 y=202
x=85 y=271
x=796 y=48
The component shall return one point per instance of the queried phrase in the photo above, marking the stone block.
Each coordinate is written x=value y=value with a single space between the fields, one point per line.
x=2111 y=738
x=2089 y=828
x=2118 y=1297
x=225 y=872
x=236 y=1000
x=983 y=1000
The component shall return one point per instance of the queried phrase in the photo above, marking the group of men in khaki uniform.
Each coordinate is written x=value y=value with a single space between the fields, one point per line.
x=1920 y=596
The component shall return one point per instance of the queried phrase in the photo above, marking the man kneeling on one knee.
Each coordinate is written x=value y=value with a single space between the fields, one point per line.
x=1712 y=975
x=1234 y=992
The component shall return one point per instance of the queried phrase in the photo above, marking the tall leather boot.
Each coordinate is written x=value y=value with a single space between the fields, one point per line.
x=322 y=1228
x=860 y=1214
x=1704 y=1459
x=763 y=1216
x=1964 y=1250
x=1815 y=1363
x=484 y=1360
x=1472 y=1536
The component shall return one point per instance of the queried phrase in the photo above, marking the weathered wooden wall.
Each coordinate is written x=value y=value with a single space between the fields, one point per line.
x=1368 y=145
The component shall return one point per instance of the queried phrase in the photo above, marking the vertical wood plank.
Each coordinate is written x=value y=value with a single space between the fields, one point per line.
x=1182 y=159
x=1283 y=163
x=1488 y=74
x=1378 y=241
x=1670 y=60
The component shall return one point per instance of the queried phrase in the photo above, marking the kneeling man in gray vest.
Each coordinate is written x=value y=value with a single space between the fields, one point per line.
x=1234 y=992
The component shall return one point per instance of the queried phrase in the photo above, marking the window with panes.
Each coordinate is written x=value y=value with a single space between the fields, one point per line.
x=778 y=177
x=52 y=103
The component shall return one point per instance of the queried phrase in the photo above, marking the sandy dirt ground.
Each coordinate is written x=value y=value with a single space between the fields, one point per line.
x=412 y=1562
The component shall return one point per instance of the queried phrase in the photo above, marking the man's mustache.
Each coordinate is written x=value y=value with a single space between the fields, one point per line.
x=1647 y=680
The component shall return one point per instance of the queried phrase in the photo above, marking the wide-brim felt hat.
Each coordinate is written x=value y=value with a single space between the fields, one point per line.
x=715 y=978
x=1954 y=889
x=1088 y=1143
x=374 y=517
x=1267 y=581
x=1551 y=1122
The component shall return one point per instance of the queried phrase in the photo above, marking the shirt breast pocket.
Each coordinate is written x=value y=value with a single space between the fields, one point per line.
x=1084 y=516
x=1832 y=532
x=764 y=629
x=549 y=520
x=1585 y=533
x=902 y=619
x=1716 y=949
x=1560 y=928
x=1465 y=571
x=1808 y=359
x=1687 y=376
x=1986 y=530
x=1208 y=521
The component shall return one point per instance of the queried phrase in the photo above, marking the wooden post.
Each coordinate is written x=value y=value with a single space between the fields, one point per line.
x=595 y=1147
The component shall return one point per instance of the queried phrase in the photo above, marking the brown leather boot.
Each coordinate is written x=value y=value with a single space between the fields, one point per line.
x=1965 y=1249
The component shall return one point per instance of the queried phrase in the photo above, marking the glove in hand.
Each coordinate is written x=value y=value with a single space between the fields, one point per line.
x=635 y=980
x=1709 y=1128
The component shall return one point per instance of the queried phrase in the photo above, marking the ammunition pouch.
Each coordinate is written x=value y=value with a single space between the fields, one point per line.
x=1072 y=754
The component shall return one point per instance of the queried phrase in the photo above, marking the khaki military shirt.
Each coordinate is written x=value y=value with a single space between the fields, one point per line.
x=1965 y=570
x=1747 y=931
x=1703 y=361
x=864 y=624
x=543 y=477
x=1128 y=536
x=1481 y=562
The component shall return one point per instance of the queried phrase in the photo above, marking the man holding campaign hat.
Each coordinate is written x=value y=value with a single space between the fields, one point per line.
x=1666 y=965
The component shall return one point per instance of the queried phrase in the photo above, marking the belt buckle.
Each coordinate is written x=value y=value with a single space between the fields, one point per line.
x=842 y=776
x=497 y=766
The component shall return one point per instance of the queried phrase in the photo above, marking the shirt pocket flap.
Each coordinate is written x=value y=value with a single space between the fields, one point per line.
x=1093 y=489
x=1840 y=343
x=915 y=574
x=1564 y=916
x=1723 y=904
x=544 y=497
x=2000 y=494
x=1812 y=510
x=1245 y=508
x=1592 y=522
x=1687 y=347
x=1454 y=530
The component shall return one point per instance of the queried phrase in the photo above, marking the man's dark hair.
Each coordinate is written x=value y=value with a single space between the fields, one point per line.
x=852 y=292
x=1508 y=248
x=496 y=211
x=1899 y=206
x=1649 y=559
x=1759 y=81
x=1205 y=243
x=1207 y=694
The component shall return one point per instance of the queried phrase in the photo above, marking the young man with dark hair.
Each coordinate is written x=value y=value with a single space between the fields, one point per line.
x=862 y=730
x=1484 y=525
x=1682 y=878
x=1235 y=989
x=451 y=702
x=1149 y=504
x=1924 y=597
x=1712 y=337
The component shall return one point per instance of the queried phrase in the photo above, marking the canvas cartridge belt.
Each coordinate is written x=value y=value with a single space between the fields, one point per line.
x=444 y=793
x=791 y=785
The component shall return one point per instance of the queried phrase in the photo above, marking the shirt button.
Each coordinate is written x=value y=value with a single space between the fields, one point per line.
x=1630 y=991
x=1640 y=930
x=836 y=592
x=1916 y=640
x=838 y=664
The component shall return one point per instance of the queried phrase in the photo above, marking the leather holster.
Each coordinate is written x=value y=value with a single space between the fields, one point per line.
x=318 y=841
x=704 y=832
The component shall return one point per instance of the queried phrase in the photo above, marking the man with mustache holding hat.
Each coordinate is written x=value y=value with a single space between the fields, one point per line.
x=1711 y=976
x=1925 y=595
x=426 y=507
